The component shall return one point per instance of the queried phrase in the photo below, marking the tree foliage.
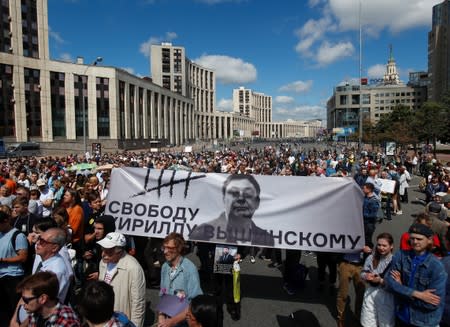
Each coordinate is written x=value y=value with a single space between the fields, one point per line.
x=397 y=126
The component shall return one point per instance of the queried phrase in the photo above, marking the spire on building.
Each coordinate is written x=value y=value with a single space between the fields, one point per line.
x=391 y=76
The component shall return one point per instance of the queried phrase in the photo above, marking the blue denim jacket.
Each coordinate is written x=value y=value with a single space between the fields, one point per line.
x=430 y=274
x=185 y=279
x=370 y=208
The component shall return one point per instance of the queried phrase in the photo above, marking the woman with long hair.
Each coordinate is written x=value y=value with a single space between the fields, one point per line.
x=378 y=304
x=72 y=203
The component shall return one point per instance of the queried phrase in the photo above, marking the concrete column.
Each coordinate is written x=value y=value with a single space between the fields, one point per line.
x=152 y=114
x=145 y=119
x=165 y=123
x=70 y=106
x=91 y=110
x=158 y=118
x=171 y=122
x=183 y=121
x=177 y=131
x=127 y=111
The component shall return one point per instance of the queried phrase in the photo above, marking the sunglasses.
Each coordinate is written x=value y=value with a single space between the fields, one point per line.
x=43 y=241
x=27 y=300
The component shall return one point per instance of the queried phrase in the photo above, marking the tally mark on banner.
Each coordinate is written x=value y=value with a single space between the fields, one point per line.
x=169 y=184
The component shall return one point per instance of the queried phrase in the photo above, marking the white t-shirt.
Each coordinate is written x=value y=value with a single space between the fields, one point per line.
x=48 y=194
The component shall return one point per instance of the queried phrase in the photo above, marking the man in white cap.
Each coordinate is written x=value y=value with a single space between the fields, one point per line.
x=125 y=275
x=46 y=197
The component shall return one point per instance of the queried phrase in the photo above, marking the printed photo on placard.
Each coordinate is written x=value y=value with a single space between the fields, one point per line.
x=224 y=258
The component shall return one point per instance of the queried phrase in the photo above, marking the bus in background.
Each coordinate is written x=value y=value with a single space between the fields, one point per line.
x=25 y=149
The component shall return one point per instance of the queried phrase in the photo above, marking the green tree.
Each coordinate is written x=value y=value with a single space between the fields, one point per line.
x=397 y=126
x=431 y=122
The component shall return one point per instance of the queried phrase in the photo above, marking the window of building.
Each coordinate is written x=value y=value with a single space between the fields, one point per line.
x=166 y=81
x=355 y=98
x=33 y=102
x=7 y=101
x=58 y=104
x=81 y=104
x=29 y=36
x=102 y=90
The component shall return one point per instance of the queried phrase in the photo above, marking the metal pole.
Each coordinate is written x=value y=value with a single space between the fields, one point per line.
x=360 y=84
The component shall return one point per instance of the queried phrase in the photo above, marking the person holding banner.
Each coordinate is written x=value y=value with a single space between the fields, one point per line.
x=180 y=283
x=241 y=200
x=370 y=212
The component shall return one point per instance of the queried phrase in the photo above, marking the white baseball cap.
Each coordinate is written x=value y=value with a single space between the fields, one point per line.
x=112 y=240
x=41 y=182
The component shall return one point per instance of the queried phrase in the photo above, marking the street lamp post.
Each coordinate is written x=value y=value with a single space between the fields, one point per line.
x=83 y=107
x=360 y=144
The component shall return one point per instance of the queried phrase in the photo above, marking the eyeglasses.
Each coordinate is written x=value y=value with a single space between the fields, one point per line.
x=27 y=300
x=43 y=241
x=168 y=248
x=246 y=194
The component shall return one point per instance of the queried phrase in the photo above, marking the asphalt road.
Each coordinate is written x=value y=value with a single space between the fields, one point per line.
x=266 y=304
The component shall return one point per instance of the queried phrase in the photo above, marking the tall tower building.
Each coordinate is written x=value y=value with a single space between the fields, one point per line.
x=172 y=70
x=439 y=52
x=252 y=104
x=391 y=76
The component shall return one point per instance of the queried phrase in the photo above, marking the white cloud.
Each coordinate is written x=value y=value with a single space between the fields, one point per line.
x=339 y=16
x=311 y=32
x=215 y=2
x=229 y=70
x=144 y=48
x=349 y=81
x=67 y=57
x=302 y=112
x=329 y=53
x=396 y=16
x=297 y=87
x=131 y=71
x=225 y=105
x=314 y=3
x=284 y=99
x=55 y=36
x=376 y=71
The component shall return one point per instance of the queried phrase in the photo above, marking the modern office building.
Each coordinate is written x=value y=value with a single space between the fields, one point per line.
x=348 y=100
x=252 y=111
x=256 y=106
x=67 y=106
x=439 y=52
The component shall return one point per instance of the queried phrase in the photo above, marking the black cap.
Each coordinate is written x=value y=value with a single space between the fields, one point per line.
x=421 y=229
x=434 y=207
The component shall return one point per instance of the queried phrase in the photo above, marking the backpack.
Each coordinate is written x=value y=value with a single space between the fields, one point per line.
x=14 y=237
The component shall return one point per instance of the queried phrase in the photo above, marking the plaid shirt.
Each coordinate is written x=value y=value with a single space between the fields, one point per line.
x=62 y=316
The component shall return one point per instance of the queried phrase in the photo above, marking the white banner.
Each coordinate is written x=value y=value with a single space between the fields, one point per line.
x=308 y=213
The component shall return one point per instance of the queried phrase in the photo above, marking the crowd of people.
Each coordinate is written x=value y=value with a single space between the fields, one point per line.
x=62 y=262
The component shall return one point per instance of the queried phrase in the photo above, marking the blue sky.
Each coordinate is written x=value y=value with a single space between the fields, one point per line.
x=294 y=50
